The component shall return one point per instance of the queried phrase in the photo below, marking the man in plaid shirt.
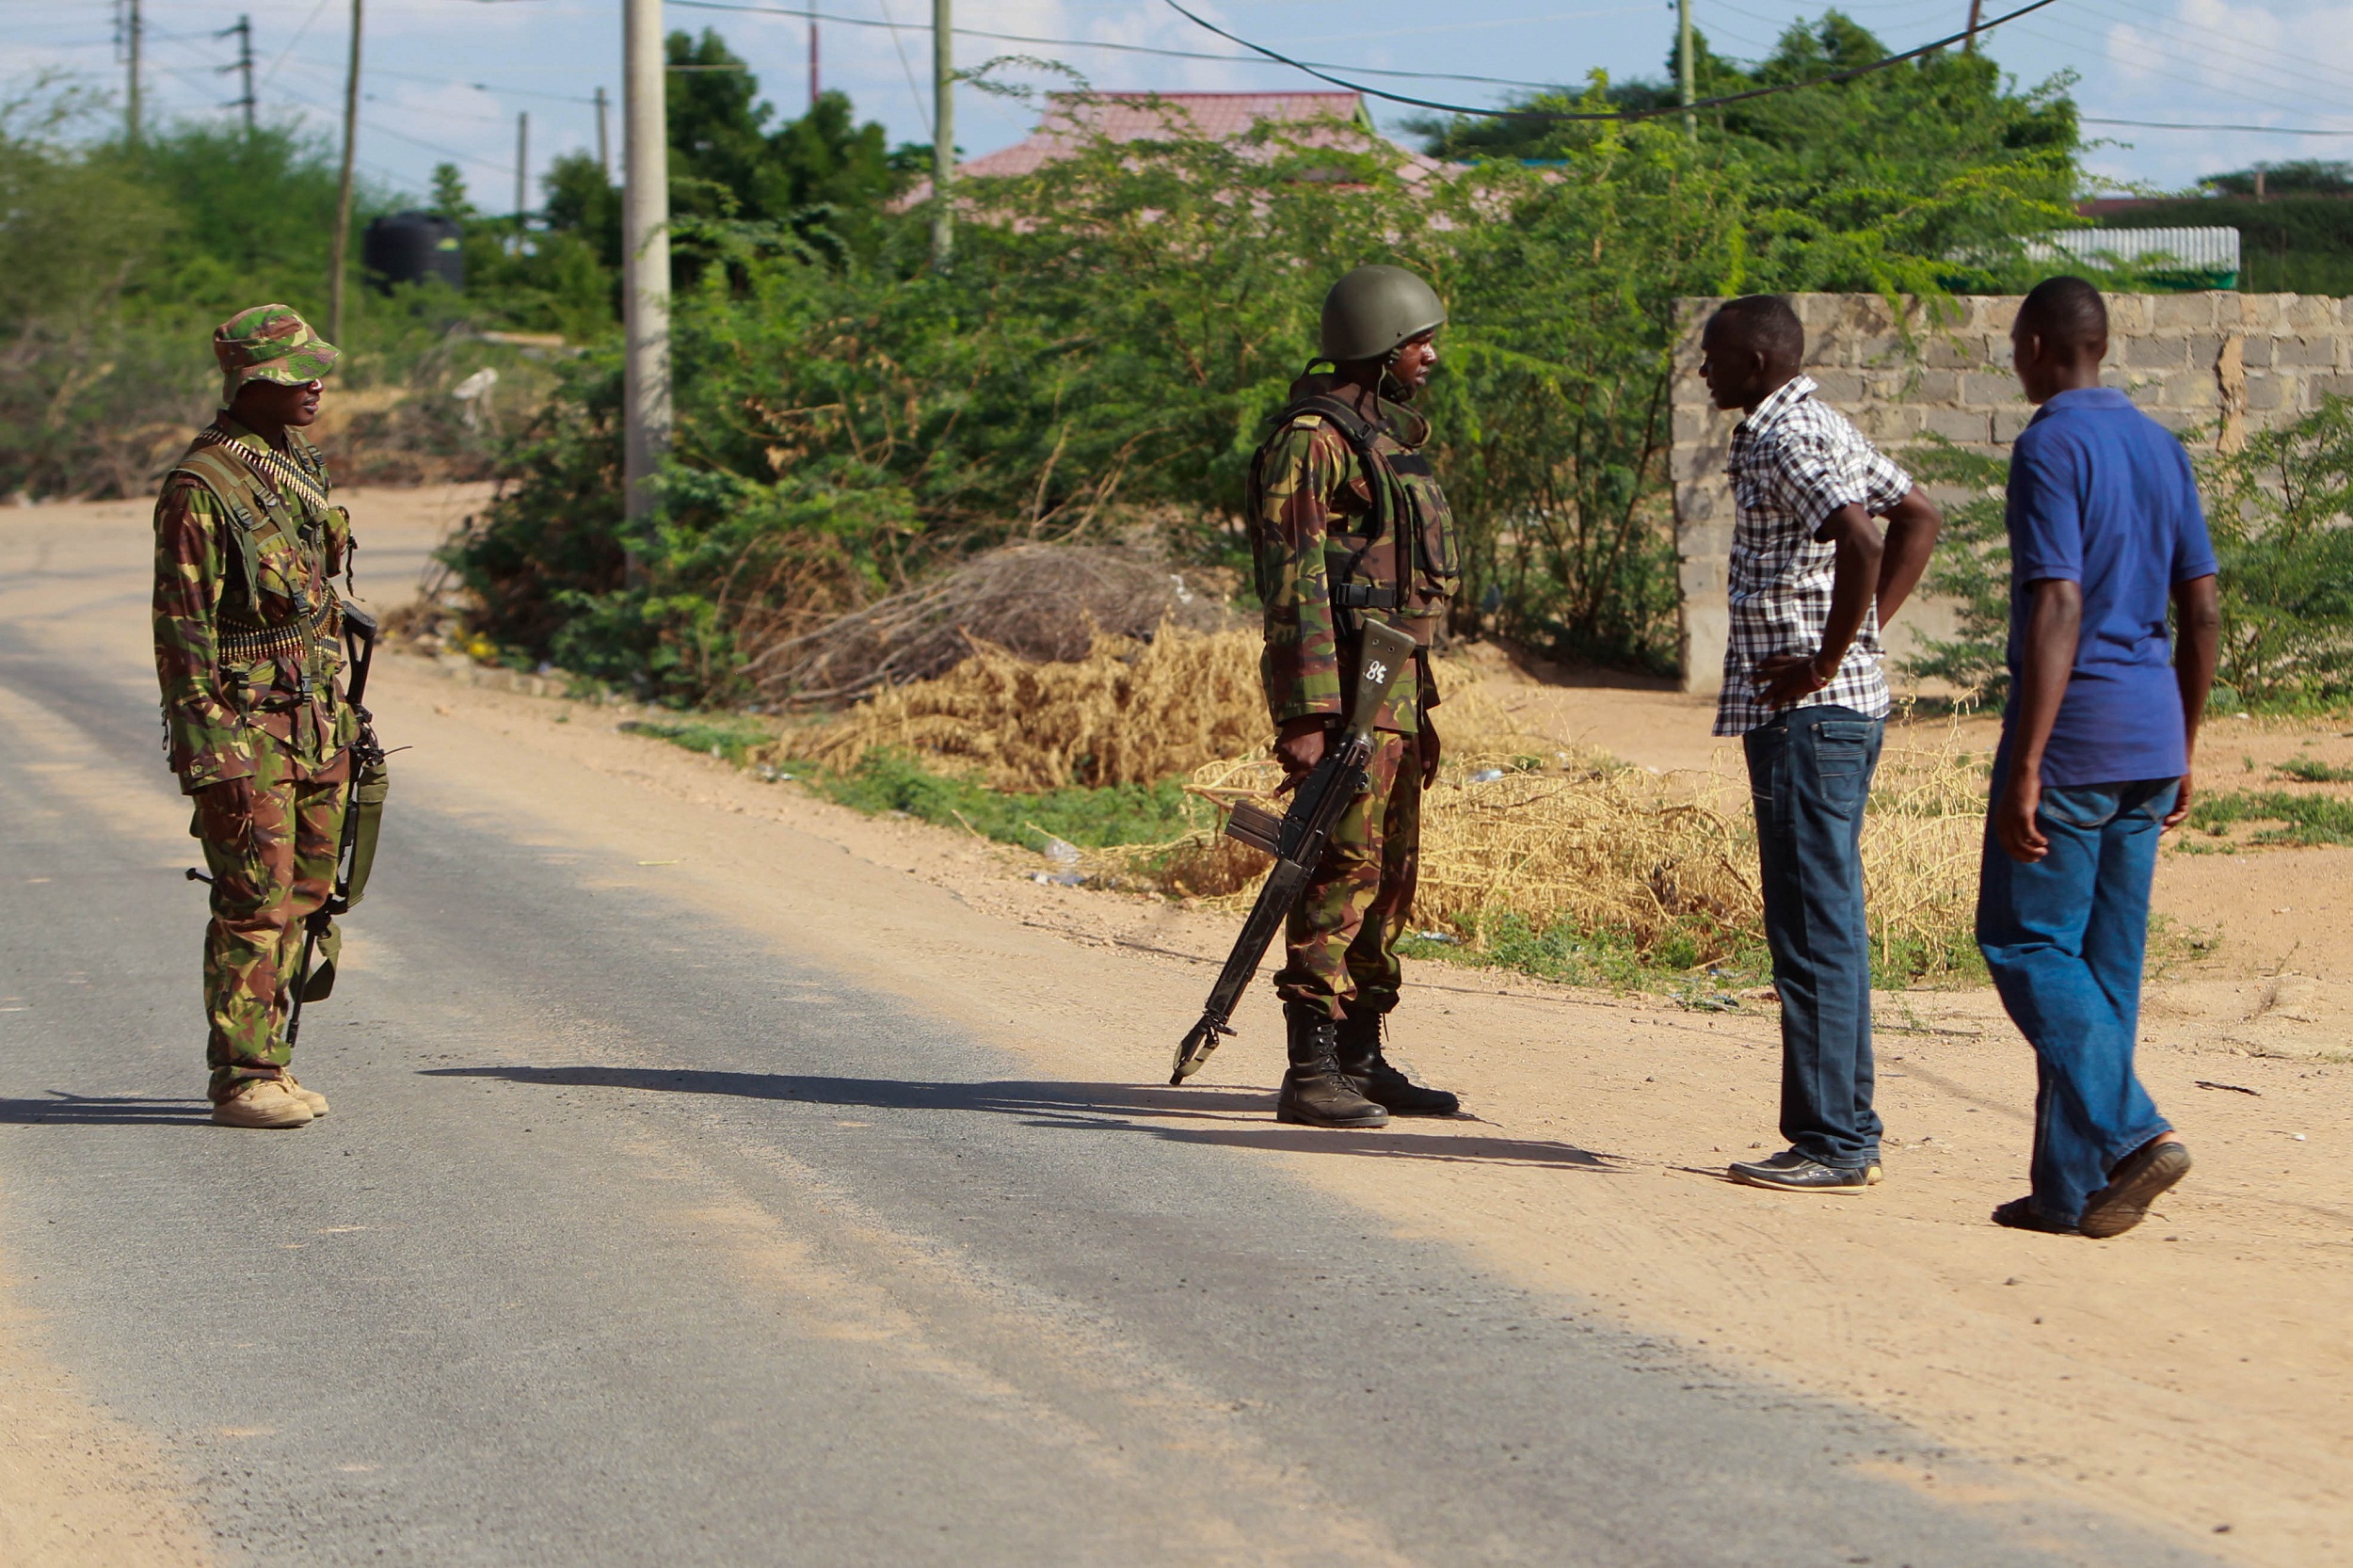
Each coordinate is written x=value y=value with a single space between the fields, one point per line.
x=1803 y=688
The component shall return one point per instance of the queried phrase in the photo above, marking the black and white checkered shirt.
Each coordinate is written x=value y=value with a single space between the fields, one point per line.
x=1794 y=462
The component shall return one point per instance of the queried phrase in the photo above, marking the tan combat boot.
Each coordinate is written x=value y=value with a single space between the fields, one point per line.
x=312 y=1097
x=262 y=1102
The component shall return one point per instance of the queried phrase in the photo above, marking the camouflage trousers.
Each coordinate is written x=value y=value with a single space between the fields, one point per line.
x=270 y=872
x=1342 y=944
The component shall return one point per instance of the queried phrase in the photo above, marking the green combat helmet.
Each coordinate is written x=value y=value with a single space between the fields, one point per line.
x=1375 y=311
x=269 y=343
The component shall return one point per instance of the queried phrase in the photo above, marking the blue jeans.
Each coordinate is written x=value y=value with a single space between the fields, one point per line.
x=2065 y=937
x=1809 y=774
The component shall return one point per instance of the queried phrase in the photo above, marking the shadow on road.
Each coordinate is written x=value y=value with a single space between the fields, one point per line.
x=1174 y=1114
x=106 y=1111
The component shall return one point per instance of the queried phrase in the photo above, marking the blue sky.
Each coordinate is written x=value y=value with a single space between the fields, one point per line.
x=446 y=78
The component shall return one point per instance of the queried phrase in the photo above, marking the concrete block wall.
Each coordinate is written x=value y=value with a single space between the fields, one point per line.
x=2218 y=364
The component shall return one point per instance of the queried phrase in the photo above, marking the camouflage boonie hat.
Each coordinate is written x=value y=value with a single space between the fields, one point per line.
x=269 y=343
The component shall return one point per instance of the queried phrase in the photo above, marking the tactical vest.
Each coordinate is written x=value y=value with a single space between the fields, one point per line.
x=1406 y=562
x=267 y=525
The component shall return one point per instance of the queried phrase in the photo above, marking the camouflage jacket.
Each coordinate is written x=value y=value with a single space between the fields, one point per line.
x=247 y=634
x=1311 y=514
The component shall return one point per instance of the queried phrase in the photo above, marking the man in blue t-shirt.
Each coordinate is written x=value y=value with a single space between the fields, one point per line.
x=2104 y=530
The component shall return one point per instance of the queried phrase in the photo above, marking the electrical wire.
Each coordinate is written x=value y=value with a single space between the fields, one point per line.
x=922 y=110
x=479 y=86
x=1624 y=115
x=2268 y=88
x=300 y=32
x=1106 y=46
x=2286 y=62
x=2274 y=81
x=2176 y=125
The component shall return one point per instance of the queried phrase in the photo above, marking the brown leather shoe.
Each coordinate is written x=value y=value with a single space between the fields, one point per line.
x=2140 y=1180
x=312 y=1097
x=262 y=1102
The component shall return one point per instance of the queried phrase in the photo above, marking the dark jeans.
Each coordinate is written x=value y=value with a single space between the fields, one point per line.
x=1809 y=774
x=2064 y=937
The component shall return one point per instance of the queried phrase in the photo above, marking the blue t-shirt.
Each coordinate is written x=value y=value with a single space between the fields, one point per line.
x=2102 y=495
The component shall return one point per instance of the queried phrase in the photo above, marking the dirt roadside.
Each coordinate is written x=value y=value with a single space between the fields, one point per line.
x=2193 y=1374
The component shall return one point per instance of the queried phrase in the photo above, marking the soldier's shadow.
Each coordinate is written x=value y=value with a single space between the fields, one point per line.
x=106 y=1111
x=1205 y=1114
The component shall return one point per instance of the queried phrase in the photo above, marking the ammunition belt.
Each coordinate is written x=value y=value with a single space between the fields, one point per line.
x=246 y=646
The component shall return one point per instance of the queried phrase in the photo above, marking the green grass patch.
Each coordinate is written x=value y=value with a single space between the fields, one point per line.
x=1089 y=818
x=729 y=739
x=2295 y=821
x=1608 y=960
x=2311 y=770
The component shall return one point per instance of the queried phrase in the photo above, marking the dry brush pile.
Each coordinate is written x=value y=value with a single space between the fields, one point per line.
x=1515 y=829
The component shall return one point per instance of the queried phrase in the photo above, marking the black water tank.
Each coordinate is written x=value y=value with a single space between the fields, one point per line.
x=409 y=247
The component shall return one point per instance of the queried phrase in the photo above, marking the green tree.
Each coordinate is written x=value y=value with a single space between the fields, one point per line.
x=1847 y=163
x=2280 y=512
x=823 y=179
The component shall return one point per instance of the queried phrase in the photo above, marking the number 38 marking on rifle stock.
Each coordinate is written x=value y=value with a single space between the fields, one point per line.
x=1377 y=672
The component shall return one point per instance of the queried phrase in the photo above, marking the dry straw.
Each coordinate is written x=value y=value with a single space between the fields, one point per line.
x=1515 y=826
x=1129 y=712
x=1560 y=838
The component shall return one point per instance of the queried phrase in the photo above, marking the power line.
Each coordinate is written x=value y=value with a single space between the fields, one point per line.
x=2175 y=125
x=2176 y=24
x=2277 y=80
x=1616 y=115
x=480 y=87
x=1114 y=48
x=2057 y=43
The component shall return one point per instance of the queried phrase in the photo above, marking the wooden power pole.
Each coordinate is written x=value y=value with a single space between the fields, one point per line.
x=645 y=261
x=943 y=131
x=522 y=174
x=133 y=30
x=1686 y=73
x=343 y=187
x=604 y=148
x=1969 y=45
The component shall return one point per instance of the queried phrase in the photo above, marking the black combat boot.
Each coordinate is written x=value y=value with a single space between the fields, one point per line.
x=1358 y=1051
x=1315 y=1091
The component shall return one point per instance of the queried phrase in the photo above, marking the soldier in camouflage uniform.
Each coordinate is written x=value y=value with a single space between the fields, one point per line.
x=247 y=648
x=1347 y=522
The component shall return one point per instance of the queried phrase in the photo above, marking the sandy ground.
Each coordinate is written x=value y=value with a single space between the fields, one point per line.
x=2193 y=1374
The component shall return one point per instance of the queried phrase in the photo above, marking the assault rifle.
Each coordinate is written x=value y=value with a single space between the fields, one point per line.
x=364 y=814
x=1296 y=840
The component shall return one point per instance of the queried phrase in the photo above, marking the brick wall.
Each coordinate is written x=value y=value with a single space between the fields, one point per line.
x=2218 y=362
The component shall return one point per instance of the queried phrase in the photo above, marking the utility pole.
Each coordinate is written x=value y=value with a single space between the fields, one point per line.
x=813 y=58
x=244 y=29
x=1685 y=73
x=133 y=30
x=604 y=148
x=1969 y=45
x=944 y=131
x=645 y=261
x=342 y=186
x=522 y=174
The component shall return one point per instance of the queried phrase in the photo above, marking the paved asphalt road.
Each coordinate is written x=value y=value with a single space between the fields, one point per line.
x=638 y=1240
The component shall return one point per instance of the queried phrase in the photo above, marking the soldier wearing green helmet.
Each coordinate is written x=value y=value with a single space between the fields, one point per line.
x=1348 y=523
x=247 y=650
